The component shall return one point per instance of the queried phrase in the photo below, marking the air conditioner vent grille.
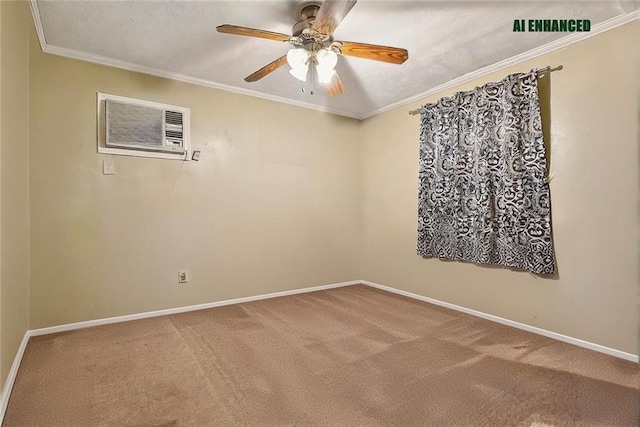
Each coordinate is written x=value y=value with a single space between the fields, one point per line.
x=173 y=118
x=174 y=134
x=133 y=124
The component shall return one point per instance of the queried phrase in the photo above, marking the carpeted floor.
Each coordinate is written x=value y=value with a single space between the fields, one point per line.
x=353 y=356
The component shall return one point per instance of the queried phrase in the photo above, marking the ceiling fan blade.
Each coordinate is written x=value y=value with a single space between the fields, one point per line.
x=331 y=14
x=394 y=55
x=335 y=86
x=252 y=32
x=270 y=67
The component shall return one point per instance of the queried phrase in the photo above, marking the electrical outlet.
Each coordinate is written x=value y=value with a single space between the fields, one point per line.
x=183 y=277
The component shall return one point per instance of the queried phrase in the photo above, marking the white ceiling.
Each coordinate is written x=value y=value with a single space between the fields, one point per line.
x=447 y=41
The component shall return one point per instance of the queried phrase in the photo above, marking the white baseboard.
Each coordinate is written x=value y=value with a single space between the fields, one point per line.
x=129 y=317
x=523 y=326
x=11 y=377
x=8 y=385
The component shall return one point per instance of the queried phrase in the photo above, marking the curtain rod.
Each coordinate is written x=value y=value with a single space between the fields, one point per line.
x=540 y=72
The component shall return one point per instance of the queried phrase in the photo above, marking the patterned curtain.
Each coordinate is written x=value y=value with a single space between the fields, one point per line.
x=483 y=191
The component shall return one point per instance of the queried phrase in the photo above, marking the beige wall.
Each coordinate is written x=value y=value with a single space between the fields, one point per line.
x=272 y=205
x=594 y=191
x=15 y=27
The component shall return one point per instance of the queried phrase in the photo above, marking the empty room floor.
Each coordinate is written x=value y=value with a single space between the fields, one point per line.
x=347 y=356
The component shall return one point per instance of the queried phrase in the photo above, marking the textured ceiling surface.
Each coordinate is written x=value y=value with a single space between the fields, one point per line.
x=445 y=40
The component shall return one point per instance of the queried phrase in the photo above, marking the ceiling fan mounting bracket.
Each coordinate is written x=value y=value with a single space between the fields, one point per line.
x=305 y=13
x=304 y=10
x=300 y=27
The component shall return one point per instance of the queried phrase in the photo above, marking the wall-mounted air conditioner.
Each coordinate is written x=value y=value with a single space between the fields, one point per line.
x=134 y=127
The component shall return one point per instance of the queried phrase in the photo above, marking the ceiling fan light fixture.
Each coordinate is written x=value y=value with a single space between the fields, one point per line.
x=327 y=59
x=300 y=73
x=325 y=75
x=297 y=58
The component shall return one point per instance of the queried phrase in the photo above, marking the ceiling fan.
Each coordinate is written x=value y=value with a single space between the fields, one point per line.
x=315 y=52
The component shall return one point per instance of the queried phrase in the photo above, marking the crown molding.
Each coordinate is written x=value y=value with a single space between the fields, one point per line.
x=514 y=60
x=110 y=62
x=116 y=63
x=37 y=22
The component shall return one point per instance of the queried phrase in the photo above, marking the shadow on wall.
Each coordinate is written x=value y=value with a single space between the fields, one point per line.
x=544 y=97
x=554 y=276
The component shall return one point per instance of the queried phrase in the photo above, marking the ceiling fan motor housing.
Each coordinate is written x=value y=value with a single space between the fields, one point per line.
x=305 y=13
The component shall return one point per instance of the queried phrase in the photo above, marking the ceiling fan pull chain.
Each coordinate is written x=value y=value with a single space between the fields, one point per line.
x=312 y=80
x=310 y=77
